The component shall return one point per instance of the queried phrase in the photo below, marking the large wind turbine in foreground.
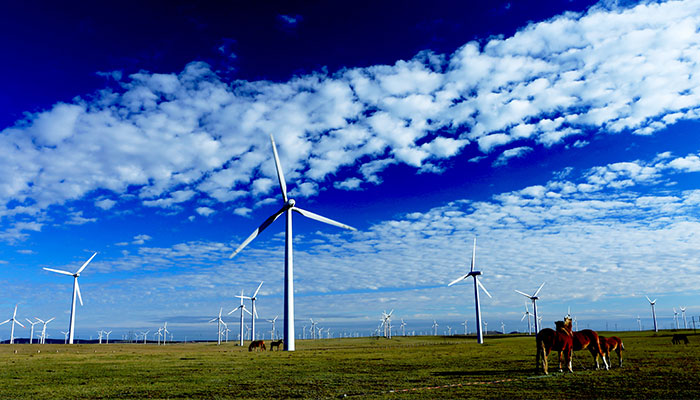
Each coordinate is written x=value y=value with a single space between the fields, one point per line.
x=288 y=207
x=534 y=305
x=653 y=312
x=76 y=290
x=477 y=285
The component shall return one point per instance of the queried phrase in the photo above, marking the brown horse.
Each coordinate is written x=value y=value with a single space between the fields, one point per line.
x=612 y=343
x=257 y=345
x=548 y=339
x=586 y=339
x=276 y=343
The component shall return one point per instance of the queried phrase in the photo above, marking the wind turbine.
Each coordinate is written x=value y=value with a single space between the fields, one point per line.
x=527 y=314
x=639 y=322
x=272 y=332
x=503 y=328
x=534 y=299
x=76 y=290
x=242 y=308
x=653 y=312
x=254 y=313
x=486 y=327
x=685 y=321
x=403 y=328
x=165 y=333
x=43 y=329
x=107 y=335
x=14 y=321
x=675 y=317
x=466 y=332
x=288 y=207
x=218 y=325
x=477 y=285
x=313 y=328
x=65 y=337
x=145 y=335
x=435 y=326
x=31 y=333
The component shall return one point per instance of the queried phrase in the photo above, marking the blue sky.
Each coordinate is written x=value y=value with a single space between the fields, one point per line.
x=560 y=134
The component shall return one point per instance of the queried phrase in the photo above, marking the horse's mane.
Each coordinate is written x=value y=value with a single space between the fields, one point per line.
x=564 y=326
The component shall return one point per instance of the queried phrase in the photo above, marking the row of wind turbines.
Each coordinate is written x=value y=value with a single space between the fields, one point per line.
x=288 y=207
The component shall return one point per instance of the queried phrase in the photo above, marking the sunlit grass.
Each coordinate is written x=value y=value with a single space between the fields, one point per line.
x=367 y=368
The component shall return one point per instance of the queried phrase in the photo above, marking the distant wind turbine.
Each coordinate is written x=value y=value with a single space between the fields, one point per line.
x=43 y=329
x=107 y=335
x=254 y=313
x=527 y=314
x=653 y=312
x=272 y=332
x=288 y=207
x=466 y=332
x=218 y=321
x=76 y=291
x=243 y=309
x=65 y=337
x=534 y=299
x=31 y=333
x=685 y=321
x=14 y=321
x=435 y=326
x=639 y=322
x=403 y=327
x=477 y=285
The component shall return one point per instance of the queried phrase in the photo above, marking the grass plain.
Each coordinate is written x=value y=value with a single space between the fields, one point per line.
x=402 y=367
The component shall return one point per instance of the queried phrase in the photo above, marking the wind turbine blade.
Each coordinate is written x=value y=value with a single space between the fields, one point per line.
x=524 y=294
x=457 y=280
x=77 y=289
x=473 y=256
x=280 y=175
x=15 y=313
x=232 y=311
x=256 y=314
x=483 y=288
x=58 y=271
x=50 y=320
x=257 y=290
x=538 y=290
x=86 y=263
x=212 y=320
x=5 y=321
x=524 y=315
x=246 y=310
x=648 y=299
x=20 y=324
x=309 y=214
x=261 y=228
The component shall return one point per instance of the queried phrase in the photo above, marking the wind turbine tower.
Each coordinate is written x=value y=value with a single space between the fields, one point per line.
x=477 y=285
x=13 y=321
x=435 y=326
x=254 y=313
x=534 y=299
x=218 y=325
x=287 y=208
x=529 y=325
x=76 y=291
x=243 y=309
x=653 y=312
x=675 y=317
x=639 y=322
x=31 y=333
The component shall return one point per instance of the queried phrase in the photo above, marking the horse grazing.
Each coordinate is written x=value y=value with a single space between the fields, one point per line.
x=548 y=339
x=612 y=343
x=276 y=343
x=678 y=338
x=257 y=345
x=586 y=339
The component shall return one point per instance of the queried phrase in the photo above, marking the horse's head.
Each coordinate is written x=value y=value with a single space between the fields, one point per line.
x=563 y=326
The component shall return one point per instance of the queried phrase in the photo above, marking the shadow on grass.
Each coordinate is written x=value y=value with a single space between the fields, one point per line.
x=492 y=372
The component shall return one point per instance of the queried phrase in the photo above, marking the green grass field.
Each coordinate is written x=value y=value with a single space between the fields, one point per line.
x=402 y=367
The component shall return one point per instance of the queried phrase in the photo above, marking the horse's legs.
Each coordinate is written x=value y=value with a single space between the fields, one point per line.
x=595 y=357
x=545 y=364
x=619 y=354
x=569 y=355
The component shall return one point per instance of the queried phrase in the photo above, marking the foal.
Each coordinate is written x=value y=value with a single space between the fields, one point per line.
x=612 y=343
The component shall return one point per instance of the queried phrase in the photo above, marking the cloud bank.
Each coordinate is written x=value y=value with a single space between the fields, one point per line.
x=170 y=139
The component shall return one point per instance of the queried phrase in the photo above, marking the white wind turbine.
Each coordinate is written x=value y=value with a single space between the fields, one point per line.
x=272 y=332
x=165 y=333
x=403 y=328
x=466 y=331
x=685 y=321
x=675 y=317
x=313 y=328
x=534 y=299
x=288 y=207
x=527 y=314
x=218 y=321
x=76 y=290
x=107 y=335
x=503 y=328
x=65 y=337
x=486 y=327
x=99 y=336
x=477 y=285
x=639 y=322
x=242 y=308
x=435 y=326
x=31 y=333
x=14 y=321
x=254 y=313
x=43 y=329
x=653 y=312
x=145 y=335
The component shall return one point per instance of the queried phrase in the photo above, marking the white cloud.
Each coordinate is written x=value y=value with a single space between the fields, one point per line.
x=205 y=211
x=141 y=239
x=177 y=137
x=516 y=152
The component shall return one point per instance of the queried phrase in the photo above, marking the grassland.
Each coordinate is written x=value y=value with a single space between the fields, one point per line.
x=403 y=367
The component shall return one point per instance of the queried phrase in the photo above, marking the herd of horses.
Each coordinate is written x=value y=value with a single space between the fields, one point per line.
x=260 y=345
x=565 y=341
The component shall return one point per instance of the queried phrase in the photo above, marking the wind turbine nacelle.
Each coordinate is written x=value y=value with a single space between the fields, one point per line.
x=291 y=202
x=474 y=273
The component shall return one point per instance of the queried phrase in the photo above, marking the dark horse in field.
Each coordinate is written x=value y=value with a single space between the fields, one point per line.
x=612 y=343
x=678 y=338
x=560 y=340
x=257 y=345
x=586 y=339
x=276 y=343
